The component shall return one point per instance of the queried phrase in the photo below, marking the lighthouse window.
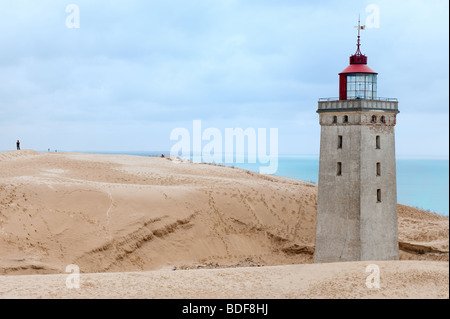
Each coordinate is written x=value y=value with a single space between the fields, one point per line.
x=374 y=119
x=339 y=169
x=378 y=169
x=378 y=195
x=377 y=142
x=340 y=141
x=361 y=86
x=346 y=119
x=383 y=119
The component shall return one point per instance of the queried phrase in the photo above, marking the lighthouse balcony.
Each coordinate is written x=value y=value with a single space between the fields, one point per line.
x=336 y=105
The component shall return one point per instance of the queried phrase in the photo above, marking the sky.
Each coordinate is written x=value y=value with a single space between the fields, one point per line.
x=136 y=70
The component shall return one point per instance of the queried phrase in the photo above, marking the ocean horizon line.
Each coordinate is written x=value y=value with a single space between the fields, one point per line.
x=166 y=152
x=422 y=182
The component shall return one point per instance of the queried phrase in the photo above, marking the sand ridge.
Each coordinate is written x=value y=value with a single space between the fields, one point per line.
x=121 y=214
x=130 y=213
x=116 y=213
x=398 y=279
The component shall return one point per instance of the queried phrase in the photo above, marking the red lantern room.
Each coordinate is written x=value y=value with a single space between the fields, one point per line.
x=358 y=81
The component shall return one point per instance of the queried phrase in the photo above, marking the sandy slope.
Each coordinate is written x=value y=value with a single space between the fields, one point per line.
x=398 y=279
x=111 y=213
x=117 y=213
x=129 y=213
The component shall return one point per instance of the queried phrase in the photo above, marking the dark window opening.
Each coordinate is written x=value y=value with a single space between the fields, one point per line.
x=340 y=141
x=339 y=169
x=383 y=120
x=378 y=143
x=378 y=169
x=346 y=119
x=378 y=195
x=374 y=119
x=334 y=119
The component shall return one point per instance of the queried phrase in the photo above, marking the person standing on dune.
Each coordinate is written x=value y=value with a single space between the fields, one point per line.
x=18 y=145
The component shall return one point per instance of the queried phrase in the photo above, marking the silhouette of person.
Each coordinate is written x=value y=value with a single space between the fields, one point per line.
x=18 y=145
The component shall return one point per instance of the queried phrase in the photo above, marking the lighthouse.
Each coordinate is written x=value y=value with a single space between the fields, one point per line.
x=357 y=198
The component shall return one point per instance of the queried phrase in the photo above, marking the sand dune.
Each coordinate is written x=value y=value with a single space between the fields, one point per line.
x=115 y=213
x=400 y=279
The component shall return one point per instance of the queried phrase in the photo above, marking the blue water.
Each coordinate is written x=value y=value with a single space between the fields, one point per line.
x=424 y=184
x=420 y=183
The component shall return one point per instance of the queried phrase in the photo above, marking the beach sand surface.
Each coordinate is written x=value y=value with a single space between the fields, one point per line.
x=349 y=280
x=131 y=215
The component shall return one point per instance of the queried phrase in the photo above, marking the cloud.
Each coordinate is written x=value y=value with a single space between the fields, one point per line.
x=142 y=65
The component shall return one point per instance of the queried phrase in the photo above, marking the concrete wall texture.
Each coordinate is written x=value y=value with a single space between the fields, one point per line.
x=357 y=200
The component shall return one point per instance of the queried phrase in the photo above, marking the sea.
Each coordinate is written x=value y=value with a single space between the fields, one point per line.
x=421 y=183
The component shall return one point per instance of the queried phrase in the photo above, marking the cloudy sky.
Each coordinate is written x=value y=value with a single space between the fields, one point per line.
x=136 y=70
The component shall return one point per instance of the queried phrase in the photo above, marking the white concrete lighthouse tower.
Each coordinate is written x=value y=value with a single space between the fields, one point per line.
x=357 y=200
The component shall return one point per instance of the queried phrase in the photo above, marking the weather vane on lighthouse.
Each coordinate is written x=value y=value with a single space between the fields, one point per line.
x=359 y=27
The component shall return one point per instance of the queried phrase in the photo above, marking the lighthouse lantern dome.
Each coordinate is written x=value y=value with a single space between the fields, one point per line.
x=358 y=81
